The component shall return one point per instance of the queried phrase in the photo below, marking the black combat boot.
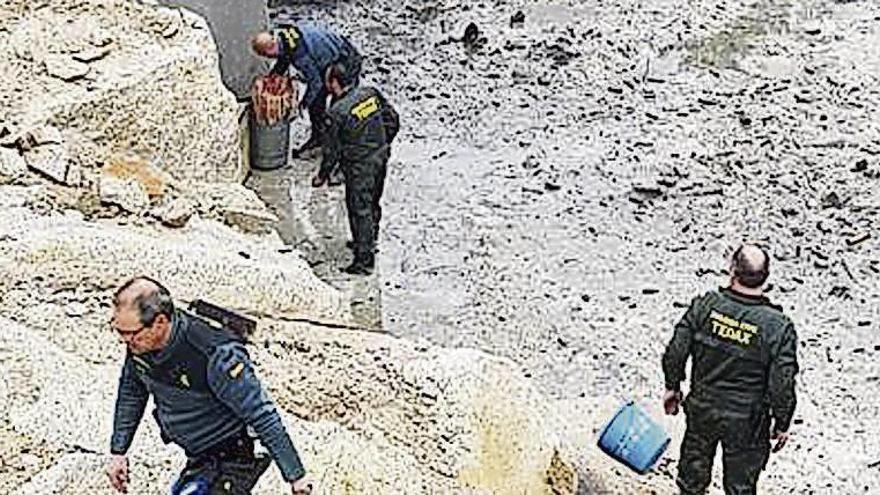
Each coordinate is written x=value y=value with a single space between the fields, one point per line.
x=350 y=245
x=358 y=268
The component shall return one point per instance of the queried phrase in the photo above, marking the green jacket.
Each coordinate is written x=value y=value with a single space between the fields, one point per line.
x=361 y=126
x=744 y=356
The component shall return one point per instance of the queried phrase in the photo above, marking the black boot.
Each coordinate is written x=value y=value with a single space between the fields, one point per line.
x=358 y=268
x=350 y=245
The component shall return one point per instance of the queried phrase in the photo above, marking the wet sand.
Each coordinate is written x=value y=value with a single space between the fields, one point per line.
x=562 y=189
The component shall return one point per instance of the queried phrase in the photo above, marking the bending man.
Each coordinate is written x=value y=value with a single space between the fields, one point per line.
x=206 y=396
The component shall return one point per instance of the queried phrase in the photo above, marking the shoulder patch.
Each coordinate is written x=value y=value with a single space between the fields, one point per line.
x=366 y=108
x=236 y=369
x=291 y=36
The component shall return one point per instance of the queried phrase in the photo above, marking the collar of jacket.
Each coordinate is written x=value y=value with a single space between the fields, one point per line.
x=178 y=323
x=745 y=298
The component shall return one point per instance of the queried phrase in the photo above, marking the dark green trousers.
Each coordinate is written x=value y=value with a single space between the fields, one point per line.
x=745 y=447
x=364 y=184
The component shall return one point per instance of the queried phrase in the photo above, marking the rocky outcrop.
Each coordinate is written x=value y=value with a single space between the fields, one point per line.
x=115 y=77
x=204 y=260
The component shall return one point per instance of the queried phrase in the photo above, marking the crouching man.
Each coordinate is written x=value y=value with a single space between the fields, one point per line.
x=206 y=396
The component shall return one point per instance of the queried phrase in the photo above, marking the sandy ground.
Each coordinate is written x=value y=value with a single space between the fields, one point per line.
x=563 y=187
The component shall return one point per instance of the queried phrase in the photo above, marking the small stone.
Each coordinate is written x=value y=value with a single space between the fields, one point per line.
x=50 y=160
x=831 y=200
x=29 y=460
x=517 y=18
x=12 y=164
x=127 y=193
x=858 y=239
x=91 y=54
x=250 y=220
x=176 y=213
x=65 y=68
x=471 y=35
x=75 y=309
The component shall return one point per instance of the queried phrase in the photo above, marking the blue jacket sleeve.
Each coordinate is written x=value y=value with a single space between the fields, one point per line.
x=232 y=379
x=131 y=401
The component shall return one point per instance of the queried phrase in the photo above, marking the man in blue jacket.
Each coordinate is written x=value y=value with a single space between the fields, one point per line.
x=311 y=50
x=206 y=397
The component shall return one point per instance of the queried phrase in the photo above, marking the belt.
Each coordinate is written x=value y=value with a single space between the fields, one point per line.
x=238 y=446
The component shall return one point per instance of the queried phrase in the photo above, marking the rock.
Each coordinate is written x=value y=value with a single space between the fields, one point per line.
x=91 y=54
x=37 y=136
x=250 y=220
x=517 y=18
x=191 y=138
x=127 y=193
x=471 y=34
x=858 y=239
x=65 y=68
x=476 y=419
x=175 y=213
x=12 y=164
x=29 y=460
x=236 y=205
x=831 y=200
x=153 y=180
x=50 y=160
x=203 y=258
x=75 y=309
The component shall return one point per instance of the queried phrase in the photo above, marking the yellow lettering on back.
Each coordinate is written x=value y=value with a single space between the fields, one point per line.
x=733 y=330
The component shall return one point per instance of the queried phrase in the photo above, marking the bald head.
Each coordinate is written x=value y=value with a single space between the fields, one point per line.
x=264 y=44
x=750 y=266
x=145 y=296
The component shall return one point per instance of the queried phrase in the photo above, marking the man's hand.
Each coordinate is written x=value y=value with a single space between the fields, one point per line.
x=781 y=439
x=318 y=181
x=301 y=487
x=671 y=401
x=117 y=471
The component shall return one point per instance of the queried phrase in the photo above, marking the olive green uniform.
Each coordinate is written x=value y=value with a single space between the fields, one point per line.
x=361 y=126
x=744 y=362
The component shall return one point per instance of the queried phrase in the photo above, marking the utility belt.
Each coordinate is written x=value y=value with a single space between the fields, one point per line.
x=230 y=467
x=239 y=446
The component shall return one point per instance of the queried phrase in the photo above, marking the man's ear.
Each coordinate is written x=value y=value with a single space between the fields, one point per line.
x=161 y=321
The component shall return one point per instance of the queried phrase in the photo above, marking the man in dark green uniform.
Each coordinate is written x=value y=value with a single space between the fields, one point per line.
x=206 y=397
x=361 y=126
x=744 y=362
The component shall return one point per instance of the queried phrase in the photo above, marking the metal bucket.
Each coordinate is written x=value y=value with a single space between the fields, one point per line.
x=269 y=144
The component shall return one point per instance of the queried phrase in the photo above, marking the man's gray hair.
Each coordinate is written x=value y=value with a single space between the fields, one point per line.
x=151 y=301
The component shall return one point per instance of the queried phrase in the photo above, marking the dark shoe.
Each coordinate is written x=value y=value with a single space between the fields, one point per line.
x=350 y=245
x=357 y=268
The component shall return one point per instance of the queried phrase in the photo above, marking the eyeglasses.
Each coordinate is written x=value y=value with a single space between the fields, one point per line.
x=127 y=333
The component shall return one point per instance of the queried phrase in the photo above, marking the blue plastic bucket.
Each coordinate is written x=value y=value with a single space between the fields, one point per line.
x=634 y=438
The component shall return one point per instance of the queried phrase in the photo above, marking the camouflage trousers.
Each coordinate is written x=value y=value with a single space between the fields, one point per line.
x=745 y=447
